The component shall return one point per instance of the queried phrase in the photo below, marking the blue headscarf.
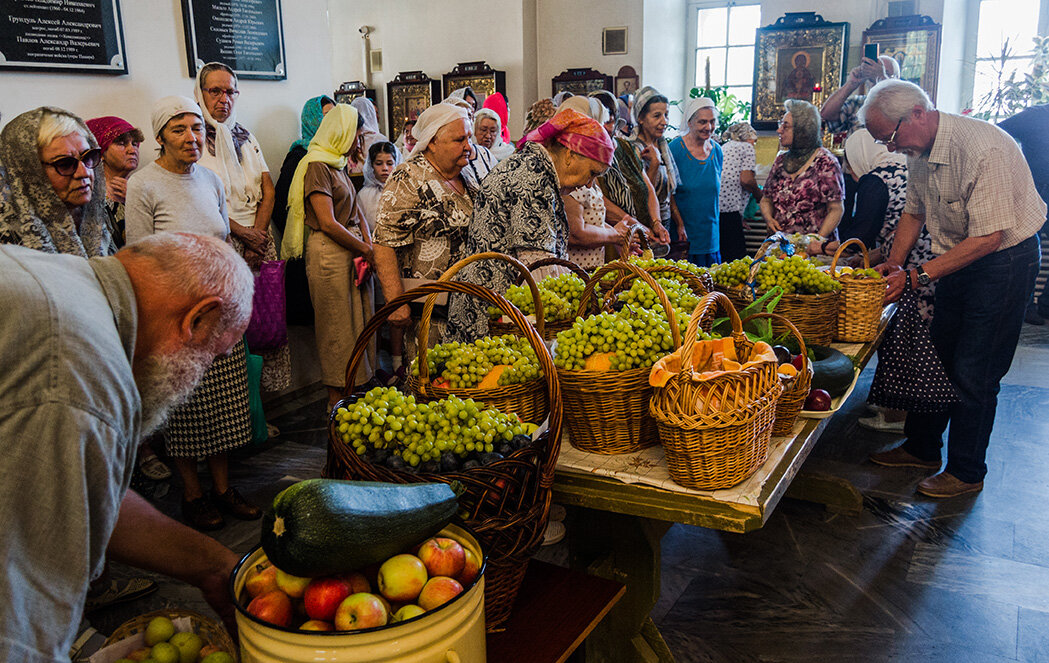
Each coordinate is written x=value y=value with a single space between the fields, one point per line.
x=311 y=117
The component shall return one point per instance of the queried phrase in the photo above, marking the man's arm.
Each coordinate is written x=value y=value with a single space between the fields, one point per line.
x=147 y=539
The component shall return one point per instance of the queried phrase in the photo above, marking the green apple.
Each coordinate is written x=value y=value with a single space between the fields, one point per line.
x=407 y=612
x=159 y=629
x=218 y=657
x=165 y=652
x=189 y=645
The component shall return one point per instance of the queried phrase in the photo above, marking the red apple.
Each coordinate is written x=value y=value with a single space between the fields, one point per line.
x=273 y=607
x=323 y=596
x=471 y=569
x=358 y=582
x=437 y=591
x=798 y=362
x=818 y=401
x=293 y=586
x=316 y=625
x=402 y=577
x=442 y=556
x=407 y=612
x=361 y=610
x=261 y=578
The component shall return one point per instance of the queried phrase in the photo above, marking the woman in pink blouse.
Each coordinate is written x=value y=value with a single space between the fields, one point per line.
x=805 y=188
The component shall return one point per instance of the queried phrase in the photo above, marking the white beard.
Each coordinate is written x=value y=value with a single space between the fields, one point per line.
x=165 y=381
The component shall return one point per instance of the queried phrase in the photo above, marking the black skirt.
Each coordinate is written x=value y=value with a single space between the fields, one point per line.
x=730 y=230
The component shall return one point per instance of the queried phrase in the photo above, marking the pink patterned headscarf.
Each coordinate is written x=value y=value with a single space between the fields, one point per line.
x=107 y=129
x=578 y=133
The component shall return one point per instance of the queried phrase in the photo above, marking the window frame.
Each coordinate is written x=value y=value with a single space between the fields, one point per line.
x=692 y=37
x=972 y=56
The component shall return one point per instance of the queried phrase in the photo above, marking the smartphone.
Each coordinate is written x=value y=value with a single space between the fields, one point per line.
x=871 y=51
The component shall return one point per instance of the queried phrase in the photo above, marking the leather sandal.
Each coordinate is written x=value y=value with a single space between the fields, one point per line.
x=233 y=503
x=201 y=514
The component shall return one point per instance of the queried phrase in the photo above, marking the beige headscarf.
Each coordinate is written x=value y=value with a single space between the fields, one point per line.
x=230 y=170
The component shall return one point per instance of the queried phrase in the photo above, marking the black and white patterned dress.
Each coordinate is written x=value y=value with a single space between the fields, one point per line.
x=518 y=211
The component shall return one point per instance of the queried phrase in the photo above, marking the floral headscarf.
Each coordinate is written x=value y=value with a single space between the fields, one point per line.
x=577 y=132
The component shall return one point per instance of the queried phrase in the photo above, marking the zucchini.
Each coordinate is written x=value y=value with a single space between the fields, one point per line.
x=326 y=526
x=831 y=370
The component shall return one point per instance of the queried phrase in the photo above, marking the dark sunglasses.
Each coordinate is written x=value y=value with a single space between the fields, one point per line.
x=67 y=166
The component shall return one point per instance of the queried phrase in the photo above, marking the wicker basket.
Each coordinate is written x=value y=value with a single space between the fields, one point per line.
x=551 y=328
x=717 y=449
x=606 y=412
x=860 y=303
x=796 y=389
x=527 y=400
x=506 y=502
x=207 y=628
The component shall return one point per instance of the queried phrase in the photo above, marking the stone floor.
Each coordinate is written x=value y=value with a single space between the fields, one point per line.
x=910 y=579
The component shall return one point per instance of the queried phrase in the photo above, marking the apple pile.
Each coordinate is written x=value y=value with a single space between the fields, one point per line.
x=404 y=586
x=164 y=645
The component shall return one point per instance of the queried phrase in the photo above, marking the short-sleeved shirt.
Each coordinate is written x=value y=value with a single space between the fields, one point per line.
x=422 y=220
x=334 y=183
x=739 y=156
x=848 y=119
x=697 y=196
x=799 y=204
x=973 y=182
x=159 y=200
x=70 y=420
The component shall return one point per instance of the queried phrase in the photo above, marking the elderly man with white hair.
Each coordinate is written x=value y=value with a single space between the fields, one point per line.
x=969 y=184
x=840 y=112
x=99 y=352
x=425 y=208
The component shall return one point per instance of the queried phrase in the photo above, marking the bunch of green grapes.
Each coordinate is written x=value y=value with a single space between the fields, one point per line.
x=464 y=365
x=679 y=294
x=559 y=294
x=794 y=274
x=646 y=264
x=731 y=274
x=384 y=418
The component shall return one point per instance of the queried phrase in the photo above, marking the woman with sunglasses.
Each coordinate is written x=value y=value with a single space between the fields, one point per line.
x=53 y=196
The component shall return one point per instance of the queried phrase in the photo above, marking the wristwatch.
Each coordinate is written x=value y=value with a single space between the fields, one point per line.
x=923 y=278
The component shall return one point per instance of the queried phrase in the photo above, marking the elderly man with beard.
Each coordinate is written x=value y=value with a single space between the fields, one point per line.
x=98 y=353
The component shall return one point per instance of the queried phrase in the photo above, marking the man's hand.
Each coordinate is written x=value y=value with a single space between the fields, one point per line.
x=116 y=189
x=895 y=280
x=867 y=70
x=215 y=588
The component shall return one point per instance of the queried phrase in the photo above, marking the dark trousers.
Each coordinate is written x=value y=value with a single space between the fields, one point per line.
x=975 y=328
x=730 y=232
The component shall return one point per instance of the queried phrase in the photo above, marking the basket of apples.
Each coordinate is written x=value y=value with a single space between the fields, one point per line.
x=169 y=636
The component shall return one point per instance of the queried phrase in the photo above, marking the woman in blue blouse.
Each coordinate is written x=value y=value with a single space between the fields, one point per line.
x=699 y=159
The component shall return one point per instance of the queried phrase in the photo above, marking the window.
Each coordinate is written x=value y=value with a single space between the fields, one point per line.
x=1000 y=20
x=723 y=35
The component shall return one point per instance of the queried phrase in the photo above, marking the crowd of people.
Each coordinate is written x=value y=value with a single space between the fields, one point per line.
x=143 y=347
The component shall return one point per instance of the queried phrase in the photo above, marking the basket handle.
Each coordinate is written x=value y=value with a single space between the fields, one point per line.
x=556 y=262
x=587 y=298
x=703 y=311
x=841 y=248
x=802 y=348
x=553 y=387
x=423 y=337
x=624 y=246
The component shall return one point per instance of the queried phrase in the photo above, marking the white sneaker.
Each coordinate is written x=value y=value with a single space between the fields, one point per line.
x=880 y=424
x=555 y=531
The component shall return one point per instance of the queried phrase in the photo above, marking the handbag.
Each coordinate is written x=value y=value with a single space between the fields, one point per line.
x=910 y=375
x=268 y=328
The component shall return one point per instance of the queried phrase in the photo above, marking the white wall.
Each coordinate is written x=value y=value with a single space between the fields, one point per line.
x=665 y=50
x=156 y=53
x=430 y=36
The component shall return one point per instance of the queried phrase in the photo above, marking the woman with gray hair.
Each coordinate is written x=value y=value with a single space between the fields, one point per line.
x=53 y=189
x=737 y=185
x=805 y=188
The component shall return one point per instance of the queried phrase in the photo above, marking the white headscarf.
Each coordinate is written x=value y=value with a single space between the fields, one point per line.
x=431 y=120
x=689 y=108
x=369 y=121
x=499 y=149
x=588 y=106
x=864 y=154
x=238 y=185
x=168 y=107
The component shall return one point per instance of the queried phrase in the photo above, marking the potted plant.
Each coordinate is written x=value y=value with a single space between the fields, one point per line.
x=1010 y=94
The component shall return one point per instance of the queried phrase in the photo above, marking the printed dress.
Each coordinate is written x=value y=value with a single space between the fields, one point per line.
x=799 y=204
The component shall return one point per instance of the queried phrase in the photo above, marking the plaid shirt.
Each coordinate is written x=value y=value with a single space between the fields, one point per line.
x=973 y=182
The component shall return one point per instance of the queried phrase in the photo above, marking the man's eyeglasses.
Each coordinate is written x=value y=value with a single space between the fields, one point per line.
x=67 y=166
x=219 y=91
x=891 y=140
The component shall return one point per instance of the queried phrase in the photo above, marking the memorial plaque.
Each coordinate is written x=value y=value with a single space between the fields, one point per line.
x=246 y=35
x=62 y=35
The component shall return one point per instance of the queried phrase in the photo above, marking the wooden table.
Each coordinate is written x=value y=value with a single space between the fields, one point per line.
x=616 y=528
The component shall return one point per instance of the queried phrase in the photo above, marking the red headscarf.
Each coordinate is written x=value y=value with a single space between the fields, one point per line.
x=578 y=133
x=497 y=103
x=107 y=129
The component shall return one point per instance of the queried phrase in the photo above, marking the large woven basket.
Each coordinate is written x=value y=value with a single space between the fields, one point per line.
x=209 y=630
x=860 y=303
x=551 y=327
x=506 y=502
x=796 y=389
x=716 y=433
x=528 y=400
x=606 y=412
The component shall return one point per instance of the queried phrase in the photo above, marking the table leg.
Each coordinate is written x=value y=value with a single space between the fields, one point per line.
x=625 y=549
x=835 y=493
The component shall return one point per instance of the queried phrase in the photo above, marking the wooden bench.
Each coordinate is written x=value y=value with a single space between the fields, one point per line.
x=555 y=610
